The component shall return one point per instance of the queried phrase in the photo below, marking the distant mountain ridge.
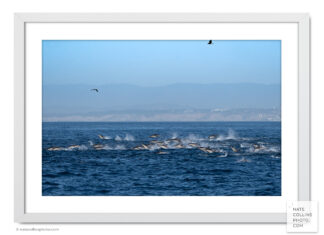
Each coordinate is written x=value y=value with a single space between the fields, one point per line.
x=62 y=100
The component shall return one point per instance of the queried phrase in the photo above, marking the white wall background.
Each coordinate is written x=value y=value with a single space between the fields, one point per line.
x=7 y=8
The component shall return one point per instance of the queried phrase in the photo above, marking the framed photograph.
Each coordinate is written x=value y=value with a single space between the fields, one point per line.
x=160 y=118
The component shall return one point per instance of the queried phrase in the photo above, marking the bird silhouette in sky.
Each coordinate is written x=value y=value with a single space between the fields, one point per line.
x=95 y=89
x=210 y=42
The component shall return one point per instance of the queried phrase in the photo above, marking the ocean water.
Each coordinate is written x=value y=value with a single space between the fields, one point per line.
x=161 y=158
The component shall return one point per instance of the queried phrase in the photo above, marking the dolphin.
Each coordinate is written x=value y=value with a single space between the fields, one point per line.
x=174 y=140
x=98 y=146
x=163 y=146
x=211 y=137
x=55 y=149
x=138 y=148
x=217 y=151
x=179 y=146
x=206 y=150
x=234 y=149
x=144 y=146
x=161 y=152
x=193 y=145
x=257 y=146
x=154 y=136
x=74 y=146
x=156 y=142
x=101 y=137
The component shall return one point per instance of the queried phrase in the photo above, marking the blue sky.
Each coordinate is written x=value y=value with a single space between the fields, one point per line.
x=156 y=63
x=161 y=80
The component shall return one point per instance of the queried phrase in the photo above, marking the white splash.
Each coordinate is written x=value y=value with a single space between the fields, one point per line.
x=224 y=155
x=243 y=159
x=174 y=135
x=82 y=147
x=276 y=157
x=192 y=138
x=129 y=137
x=107 y=147
x=273 y=149
x=118 y=138
x=231 y=135
x=120 y=147
x=154 y=147
x=245 y=145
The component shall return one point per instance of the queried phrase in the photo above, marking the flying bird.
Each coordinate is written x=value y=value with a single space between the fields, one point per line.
x=95 y=89
x=210 y=42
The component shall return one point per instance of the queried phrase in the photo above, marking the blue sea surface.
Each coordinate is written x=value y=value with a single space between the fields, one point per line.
x=183 y=159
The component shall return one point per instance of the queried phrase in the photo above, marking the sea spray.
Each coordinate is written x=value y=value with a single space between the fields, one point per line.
x=118 y=138
x=120 y=147
x=231 y=135
x=174 y=135
x=129 y=137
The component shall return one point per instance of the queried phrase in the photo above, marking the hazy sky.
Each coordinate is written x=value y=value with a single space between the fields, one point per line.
x=161 y=80
x=154 y=63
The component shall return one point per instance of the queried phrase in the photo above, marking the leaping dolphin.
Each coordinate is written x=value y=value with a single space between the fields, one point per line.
x=145 y=146
x=103 y=137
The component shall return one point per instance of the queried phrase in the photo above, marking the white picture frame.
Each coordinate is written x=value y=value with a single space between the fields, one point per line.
x=21 y=19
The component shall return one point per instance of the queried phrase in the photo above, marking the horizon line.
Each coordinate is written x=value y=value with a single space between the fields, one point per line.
x=178 y=83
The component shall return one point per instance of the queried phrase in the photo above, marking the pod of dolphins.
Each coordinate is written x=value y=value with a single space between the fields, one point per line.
x=155 y=144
